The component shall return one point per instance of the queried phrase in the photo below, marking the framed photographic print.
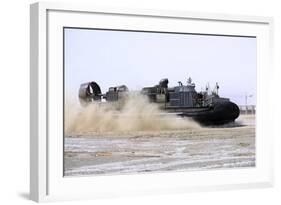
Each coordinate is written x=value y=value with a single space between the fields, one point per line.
x=127 y=102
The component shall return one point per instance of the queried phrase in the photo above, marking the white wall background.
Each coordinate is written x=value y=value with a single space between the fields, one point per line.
x=14 y=103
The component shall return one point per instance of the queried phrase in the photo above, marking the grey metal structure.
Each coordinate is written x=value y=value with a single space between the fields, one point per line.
x=183 y=95
x=115 y=93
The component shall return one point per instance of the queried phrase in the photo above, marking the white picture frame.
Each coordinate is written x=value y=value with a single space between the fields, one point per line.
x=46 y=157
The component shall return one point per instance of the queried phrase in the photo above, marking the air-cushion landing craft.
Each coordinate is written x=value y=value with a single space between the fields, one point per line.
x=205 y=107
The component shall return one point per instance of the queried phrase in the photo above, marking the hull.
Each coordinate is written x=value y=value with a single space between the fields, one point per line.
x=216 y=114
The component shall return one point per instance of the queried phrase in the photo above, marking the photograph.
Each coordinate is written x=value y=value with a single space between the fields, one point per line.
x=140 y=101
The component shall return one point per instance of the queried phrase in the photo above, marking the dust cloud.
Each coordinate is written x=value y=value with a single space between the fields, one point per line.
x=135 y=113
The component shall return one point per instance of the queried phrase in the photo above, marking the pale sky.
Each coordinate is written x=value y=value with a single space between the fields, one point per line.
x=140 y=59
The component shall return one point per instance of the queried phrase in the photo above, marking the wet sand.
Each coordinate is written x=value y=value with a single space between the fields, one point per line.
x=228 y=146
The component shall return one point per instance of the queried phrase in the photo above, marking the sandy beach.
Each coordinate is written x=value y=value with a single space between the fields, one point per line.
x=228 y=146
